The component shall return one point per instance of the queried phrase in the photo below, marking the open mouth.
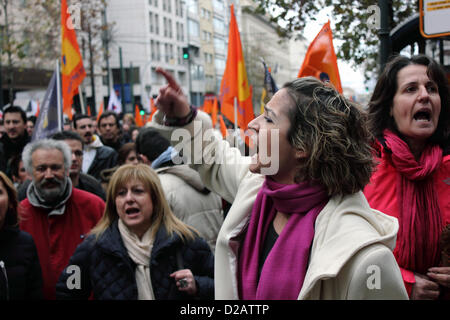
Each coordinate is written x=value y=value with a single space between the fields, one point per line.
x=422 y=115
x=131 y=211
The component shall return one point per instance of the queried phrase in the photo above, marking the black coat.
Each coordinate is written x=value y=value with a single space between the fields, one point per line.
x=105 y=158
x=21 y=263
x=109 y=273
x=10 y=148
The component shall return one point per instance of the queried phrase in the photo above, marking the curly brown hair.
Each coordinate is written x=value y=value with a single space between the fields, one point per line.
x=333 y=132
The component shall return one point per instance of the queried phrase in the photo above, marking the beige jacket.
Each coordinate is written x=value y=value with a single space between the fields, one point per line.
x=185 y=193
x=351 y=255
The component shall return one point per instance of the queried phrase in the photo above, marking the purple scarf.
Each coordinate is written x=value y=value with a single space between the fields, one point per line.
x=285 y=267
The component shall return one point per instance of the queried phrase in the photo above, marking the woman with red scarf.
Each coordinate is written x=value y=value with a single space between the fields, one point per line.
x=409 y=117
x=299 y=226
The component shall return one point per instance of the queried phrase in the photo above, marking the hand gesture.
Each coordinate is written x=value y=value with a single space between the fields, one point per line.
x=424 y=288
x=171 y=99
x=185 y=281
x=441 y=275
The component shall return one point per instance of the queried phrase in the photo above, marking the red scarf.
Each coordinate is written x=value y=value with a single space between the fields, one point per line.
x=419 y=213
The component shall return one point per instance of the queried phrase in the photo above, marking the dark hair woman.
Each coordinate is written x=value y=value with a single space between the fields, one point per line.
x=20 y=271
x=409 y=116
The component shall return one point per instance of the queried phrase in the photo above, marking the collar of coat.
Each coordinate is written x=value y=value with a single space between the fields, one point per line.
x=111 y=241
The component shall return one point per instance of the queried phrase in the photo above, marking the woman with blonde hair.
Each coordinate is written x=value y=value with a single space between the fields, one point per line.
x=139 y=249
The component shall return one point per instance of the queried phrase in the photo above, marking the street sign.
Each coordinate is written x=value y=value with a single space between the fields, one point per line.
x=434 y=18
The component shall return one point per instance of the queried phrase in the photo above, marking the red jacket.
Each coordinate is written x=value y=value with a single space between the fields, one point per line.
x=57 y=236
x=382 y=195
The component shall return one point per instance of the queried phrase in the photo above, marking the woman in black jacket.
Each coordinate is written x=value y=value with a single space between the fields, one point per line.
x=139 y=249
x=20 y=271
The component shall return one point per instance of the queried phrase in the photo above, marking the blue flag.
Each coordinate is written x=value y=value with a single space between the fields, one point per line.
x=50 y=116
x=269 y=87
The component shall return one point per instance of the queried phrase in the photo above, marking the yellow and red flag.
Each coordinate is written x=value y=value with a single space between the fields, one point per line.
x=72 y=70
x=234 y=82
x=320 y=59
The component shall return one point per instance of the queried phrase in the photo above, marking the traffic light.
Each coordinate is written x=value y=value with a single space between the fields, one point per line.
x=141 y=112
x=185 y=53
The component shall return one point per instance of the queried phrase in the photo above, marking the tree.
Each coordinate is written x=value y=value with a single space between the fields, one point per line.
x=36 y=38
x=351 y=21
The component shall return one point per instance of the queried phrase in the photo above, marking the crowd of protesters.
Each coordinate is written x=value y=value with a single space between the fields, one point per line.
x=357 y=208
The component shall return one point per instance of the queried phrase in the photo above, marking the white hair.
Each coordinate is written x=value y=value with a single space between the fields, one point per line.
x=46 y=144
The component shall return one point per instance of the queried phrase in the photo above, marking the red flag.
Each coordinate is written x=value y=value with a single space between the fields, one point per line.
x=234 y=82
x=320 y=59
x=72 y=70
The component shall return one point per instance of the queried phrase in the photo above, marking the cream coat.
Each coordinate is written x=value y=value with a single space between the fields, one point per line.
x=351 y=255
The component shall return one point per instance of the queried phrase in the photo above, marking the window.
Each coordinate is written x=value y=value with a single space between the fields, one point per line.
x=151 y=22
x=219 y=44
x=169 y=21
x=156 y=23
x=192 y=6
x=219 y=25
x=166 y=52
x=218 y=5
x=166 y=31
x=158 y=51
x=193 y=28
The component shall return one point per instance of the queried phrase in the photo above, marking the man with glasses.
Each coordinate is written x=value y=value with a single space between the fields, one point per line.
x=96 y=156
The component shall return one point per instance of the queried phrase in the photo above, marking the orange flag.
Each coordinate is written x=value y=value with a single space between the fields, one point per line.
x=88 y=110
x=320 y=59
x=223 y=127
x=234 y=81
x=137 y=116
x=214 y=111
x=153 y=109
x=100 y=111
x=72 y=70
x=37 y=111
x=207 y=105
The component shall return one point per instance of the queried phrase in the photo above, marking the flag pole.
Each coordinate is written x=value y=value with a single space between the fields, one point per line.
x=80 y=94
x=58 y=96
x=235 y=113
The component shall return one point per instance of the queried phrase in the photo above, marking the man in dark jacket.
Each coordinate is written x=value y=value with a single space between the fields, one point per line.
x=96 y=156
x=16 y=137
x=110 y=131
